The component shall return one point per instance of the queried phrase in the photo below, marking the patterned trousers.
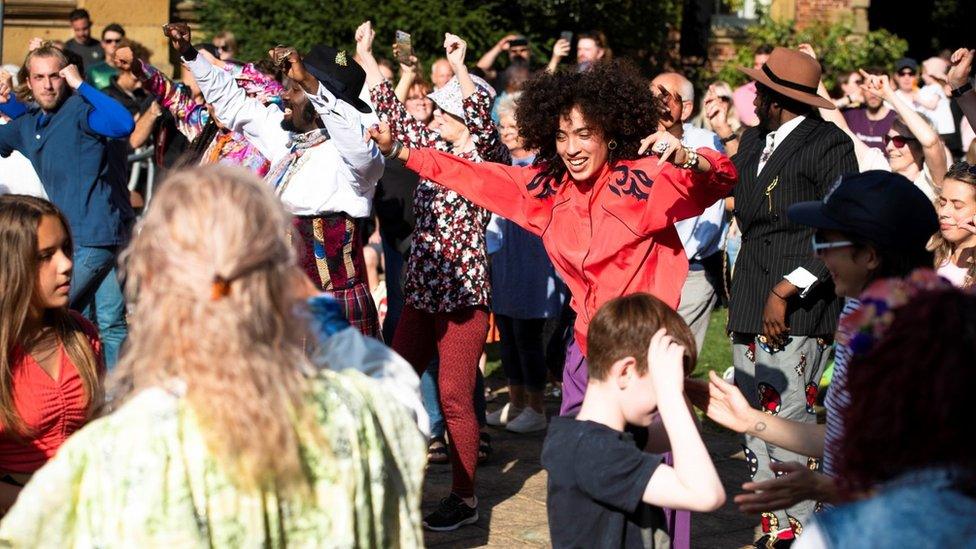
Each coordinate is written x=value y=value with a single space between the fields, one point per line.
x=332 y=256
x=783 y=383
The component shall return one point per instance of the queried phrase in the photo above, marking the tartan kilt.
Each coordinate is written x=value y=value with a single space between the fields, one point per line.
x=332 y=257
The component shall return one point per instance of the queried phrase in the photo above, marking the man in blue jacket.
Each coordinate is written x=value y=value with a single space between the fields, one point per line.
x=71 y=139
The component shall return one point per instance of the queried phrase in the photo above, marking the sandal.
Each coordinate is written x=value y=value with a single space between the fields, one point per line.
x=437 y=451
x=484 y=448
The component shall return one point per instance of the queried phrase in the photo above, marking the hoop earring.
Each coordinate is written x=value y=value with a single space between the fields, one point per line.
x=612 y=145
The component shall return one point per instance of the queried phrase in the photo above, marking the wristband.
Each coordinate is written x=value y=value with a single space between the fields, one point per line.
x=773 y=291
x=962 y=90
x=189 y=52
x=731 y=137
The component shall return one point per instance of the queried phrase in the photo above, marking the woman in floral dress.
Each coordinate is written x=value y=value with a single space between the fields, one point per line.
x=446 y=282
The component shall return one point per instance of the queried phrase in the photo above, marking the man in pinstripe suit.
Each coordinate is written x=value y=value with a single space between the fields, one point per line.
x=783 y=309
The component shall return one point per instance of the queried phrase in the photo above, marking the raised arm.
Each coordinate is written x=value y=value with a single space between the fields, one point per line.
x=173 y=96
x=932 y=148
x=259 y=123
x=107 y=117
x=521 y=195
x=487 y=61
x=477 y=105
x=361 y=158
x=962 y=65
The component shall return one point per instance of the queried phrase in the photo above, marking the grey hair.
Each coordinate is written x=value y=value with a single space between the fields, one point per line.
x=508 y=104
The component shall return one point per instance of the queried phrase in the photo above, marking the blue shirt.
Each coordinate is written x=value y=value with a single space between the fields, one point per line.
x=704 y=235
x=524 y=284
x=80 y=161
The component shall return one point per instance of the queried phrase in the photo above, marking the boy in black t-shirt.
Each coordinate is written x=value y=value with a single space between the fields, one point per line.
x=603 y=490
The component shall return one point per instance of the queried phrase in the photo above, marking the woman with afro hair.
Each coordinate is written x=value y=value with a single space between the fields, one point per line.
x=604 y=210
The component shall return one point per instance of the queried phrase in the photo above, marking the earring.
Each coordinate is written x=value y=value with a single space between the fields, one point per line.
x=612 y=145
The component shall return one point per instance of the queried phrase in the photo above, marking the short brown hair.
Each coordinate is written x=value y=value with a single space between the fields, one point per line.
x=623 y=328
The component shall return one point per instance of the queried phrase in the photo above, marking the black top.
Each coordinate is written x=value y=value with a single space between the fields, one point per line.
x=91 y=52
x=393 y=204
x=803 y=167
x=597 y=478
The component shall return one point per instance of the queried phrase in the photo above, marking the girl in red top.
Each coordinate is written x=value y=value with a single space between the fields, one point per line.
x=604 y=210
x=51 y=361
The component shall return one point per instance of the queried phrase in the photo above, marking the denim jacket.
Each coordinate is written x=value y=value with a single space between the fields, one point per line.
x=924 y=508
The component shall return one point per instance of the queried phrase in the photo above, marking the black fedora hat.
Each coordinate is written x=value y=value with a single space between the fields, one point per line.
x=339 y=73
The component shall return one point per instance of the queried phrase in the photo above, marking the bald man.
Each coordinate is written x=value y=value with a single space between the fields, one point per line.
x=440 y=73
x=703 y=236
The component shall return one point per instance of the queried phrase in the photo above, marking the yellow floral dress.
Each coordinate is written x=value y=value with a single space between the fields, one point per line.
x=143 y=477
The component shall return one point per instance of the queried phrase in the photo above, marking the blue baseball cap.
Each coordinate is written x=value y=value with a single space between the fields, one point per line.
x=882 y=208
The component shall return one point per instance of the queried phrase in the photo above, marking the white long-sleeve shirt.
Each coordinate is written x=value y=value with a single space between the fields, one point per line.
x=339 y=175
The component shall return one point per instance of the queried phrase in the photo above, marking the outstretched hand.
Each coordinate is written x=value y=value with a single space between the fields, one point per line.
x=726 y=405
x=665 y=145
x=179 y=35
x=794 y=483
x=962 y=65
x=382 y=136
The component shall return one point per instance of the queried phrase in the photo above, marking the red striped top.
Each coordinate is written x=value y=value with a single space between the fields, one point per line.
x=52 y=409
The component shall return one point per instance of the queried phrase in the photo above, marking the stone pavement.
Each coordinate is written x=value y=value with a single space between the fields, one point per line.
x=512 y=494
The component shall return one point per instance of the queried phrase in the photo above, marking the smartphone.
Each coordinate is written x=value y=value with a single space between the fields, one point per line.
x=404 y=49
x=566 y=35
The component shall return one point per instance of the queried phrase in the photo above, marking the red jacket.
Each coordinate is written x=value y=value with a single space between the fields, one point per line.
x=608 y=239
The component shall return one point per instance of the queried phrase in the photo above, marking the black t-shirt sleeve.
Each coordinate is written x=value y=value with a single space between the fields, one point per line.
x=613 y=472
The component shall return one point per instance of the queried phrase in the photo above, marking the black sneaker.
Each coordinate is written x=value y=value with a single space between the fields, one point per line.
x=451 y=514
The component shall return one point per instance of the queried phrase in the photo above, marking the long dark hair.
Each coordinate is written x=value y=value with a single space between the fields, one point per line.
x=20 y=217
x=910 y=395
x=612 y=96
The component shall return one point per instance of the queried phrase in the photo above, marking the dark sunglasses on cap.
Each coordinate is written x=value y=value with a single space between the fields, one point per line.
x=899 y=141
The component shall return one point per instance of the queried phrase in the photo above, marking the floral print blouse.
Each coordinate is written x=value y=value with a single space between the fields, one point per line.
x=227 y=148
x=447 y=268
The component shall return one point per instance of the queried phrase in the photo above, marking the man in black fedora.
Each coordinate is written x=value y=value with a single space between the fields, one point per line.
x=321 y=168
x=783 y=310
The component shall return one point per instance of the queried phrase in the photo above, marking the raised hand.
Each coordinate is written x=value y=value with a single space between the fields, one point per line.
x=179 y=35
x=727 y=406
x=807 y=49
x=411 y=63
x=72 y=76
x=35 y=43
x=6 y=86
x=455 y=48
x=665 y=362
x=560 y=49
x=125 y=61
x=364 y=38
x=503 y=44
x=290 y=62
x=876 y=84
x=962 y=65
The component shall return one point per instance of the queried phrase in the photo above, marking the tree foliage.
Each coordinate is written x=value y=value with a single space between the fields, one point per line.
x=838 y=48
x=637 y=28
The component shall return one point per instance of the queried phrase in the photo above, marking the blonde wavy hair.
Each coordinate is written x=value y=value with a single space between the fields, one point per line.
x=210 y=278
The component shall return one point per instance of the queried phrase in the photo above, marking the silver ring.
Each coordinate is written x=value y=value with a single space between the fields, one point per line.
x=661 y=147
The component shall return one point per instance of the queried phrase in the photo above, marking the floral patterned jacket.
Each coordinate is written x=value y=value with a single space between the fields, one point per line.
x=447 y=268
x=228 y=148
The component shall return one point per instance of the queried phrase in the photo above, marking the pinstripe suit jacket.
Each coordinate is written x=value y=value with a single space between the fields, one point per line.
x=803 y=167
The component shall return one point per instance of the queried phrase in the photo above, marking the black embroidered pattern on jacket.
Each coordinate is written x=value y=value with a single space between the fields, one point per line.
x=632 y=182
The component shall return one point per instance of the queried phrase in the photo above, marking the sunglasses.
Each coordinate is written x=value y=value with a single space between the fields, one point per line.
x=899 y=141
x=111 y=40
x=819 y=247
x=906 y=73
x=858 y=82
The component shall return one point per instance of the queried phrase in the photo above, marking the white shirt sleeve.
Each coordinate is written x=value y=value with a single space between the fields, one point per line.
x=802 y=279
x=362 y=159
x=260 y=124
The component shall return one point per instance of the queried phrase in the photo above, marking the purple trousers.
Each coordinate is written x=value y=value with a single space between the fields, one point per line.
x=574 y=387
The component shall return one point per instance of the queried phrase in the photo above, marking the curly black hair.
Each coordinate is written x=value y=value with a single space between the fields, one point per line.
x=612 y=96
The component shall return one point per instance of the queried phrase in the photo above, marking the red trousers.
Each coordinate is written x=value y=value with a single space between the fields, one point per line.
x=459 y=338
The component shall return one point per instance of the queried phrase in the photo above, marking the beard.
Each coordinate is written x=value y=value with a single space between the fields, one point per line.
x=301 y=120
x=53 y=104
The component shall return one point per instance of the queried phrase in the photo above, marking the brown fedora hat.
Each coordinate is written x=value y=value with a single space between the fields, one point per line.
x=793 y=74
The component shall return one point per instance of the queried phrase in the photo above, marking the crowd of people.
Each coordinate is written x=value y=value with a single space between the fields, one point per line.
x=270 y=348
